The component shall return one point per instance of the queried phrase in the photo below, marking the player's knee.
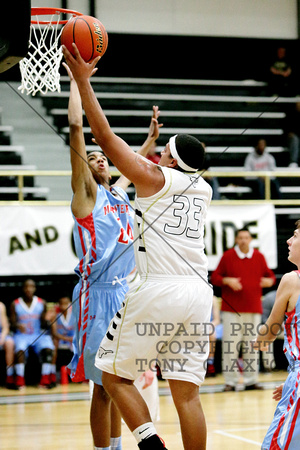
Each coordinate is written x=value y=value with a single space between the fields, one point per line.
x=46 y=355
x=100 y=393
x=107 y=381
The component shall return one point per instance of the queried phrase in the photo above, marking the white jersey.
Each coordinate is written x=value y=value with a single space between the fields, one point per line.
x=169 y=226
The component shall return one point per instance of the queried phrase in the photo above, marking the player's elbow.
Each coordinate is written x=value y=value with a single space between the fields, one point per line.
x=75 y=126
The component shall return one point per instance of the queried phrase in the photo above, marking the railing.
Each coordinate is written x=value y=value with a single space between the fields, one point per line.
x=21 y=174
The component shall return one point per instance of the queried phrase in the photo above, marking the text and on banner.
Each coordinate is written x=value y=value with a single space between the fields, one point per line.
x=37 y=240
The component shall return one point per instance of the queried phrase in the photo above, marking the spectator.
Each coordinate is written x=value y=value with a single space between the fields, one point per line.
x=292 y=132
x=28 y=314
x=7 y=344
x=242 y=274
x=281 y=75
x=259 y=160
x=63 y=330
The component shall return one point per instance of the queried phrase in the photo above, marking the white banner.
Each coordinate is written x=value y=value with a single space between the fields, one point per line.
x=37 y=240
x=223 y=221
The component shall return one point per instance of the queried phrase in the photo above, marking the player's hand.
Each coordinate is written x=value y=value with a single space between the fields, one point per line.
x=277 y=393
x=154 y=125
x=22 y=328
x=263 y=346
x=79 y=68
x=68 y=70
x=148 y=377
x=234 y=283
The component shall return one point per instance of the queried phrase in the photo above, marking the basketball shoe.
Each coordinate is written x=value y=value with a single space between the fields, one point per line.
x=152 y=443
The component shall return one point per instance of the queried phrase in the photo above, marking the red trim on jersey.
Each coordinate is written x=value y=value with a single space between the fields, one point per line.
x=87 y=223
x=292 y=426
x=274 y=445
x=79 y=375
x=82 y=247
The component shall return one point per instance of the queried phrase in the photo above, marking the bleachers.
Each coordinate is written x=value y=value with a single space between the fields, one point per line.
x=221 y=113
x=229 y=116
x=11 y=160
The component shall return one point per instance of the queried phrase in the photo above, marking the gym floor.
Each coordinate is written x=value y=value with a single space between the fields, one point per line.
x=39 y=419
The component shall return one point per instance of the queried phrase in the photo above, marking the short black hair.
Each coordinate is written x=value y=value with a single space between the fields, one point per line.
x=190 y=150
x=98 y=150
x=242 y=229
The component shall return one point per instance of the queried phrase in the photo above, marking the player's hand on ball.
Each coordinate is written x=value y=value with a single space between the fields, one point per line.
x=79 y=68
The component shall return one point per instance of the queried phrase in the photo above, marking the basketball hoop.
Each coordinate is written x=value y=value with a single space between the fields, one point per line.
x=40 y=67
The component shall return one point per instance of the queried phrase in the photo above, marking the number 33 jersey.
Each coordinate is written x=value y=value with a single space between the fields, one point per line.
x=169 y=226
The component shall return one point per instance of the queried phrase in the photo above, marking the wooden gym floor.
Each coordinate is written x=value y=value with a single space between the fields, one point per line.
x=38 y=419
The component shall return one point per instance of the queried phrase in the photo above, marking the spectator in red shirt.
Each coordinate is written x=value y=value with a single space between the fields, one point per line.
x=242 y=274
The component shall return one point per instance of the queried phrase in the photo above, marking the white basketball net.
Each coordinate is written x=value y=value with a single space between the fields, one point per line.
x=40 y=67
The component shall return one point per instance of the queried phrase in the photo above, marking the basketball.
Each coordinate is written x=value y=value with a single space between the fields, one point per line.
x=89 y=35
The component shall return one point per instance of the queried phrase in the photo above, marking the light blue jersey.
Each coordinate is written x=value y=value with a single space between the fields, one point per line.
x=103 y=243
x=30 y=318
x=103 y=239
x=284 y=431
x=65 y=326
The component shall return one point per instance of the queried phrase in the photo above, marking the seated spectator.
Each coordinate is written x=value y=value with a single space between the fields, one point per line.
x=7 y=344
x=292 y=132
x=261 y=160
x=281 y=75
x=63 y=330
x=28 y=319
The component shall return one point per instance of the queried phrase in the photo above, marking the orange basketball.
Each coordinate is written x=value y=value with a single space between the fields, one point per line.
x=89 y=35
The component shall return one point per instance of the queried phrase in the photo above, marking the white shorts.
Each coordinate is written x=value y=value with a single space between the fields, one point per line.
x=164 y=320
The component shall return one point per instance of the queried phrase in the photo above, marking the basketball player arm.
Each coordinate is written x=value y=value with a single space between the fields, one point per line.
x=146 y=176
x=83 y=184
x=13 y=320
x=57 y=336
x=45 y=324
x=153 y=135
x=270 y=330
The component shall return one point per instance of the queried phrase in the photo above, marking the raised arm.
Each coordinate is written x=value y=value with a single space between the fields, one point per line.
x=153 y=135
x=146 y=176
x=83 y=184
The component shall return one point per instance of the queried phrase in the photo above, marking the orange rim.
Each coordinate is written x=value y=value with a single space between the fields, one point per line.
x=51 y=12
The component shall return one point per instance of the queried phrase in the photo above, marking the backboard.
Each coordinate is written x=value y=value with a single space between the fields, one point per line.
x=14 y=32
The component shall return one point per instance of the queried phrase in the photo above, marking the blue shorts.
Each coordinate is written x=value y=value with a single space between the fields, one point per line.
x=37 y=342
x=284 y=431
x=93 y=308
